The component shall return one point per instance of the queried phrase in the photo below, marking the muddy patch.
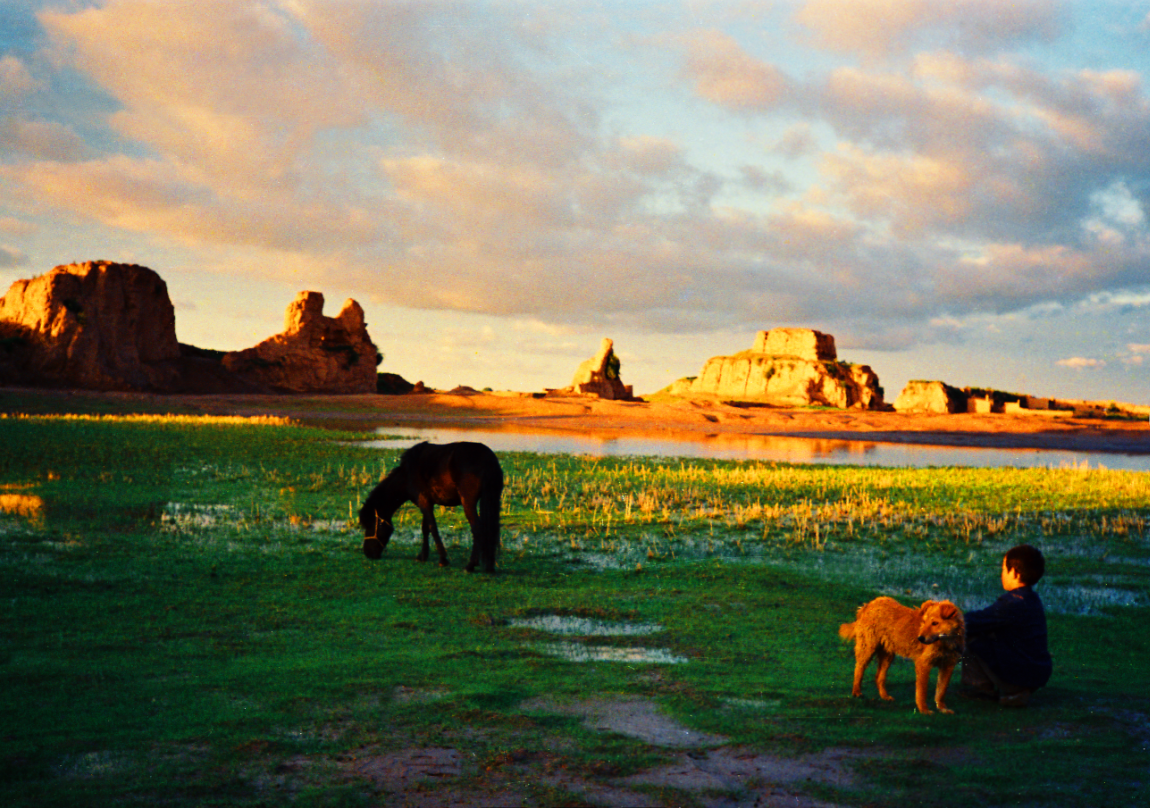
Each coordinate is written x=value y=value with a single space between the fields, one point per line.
x=408 y=769
x=708 y=774
x=734 y=769
x=635 y=718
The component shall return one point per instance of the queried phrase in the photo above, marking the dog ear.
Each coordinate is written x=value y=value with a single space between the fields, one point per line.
x=926 y=604
x=948 y=610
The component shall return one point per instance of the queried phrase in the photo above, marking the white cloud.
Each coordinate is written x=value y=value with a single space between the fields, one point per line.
x=384 y=145
x=1079 y=362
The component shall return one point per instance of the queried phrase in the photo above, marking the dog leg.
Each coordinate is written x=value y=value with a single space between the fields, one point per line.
x=885 y=657
x=862 y=659
x=922 y=685
x=944 y=673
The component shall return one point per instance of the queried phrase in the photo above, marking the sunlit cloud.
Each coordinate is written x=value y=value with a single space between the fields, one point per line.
x=892 y=170
x=880 y=27
x=1079 y=363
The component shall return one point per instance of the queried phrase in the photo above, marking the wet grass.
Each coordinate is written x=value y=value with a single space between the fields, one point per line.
x=188 y=619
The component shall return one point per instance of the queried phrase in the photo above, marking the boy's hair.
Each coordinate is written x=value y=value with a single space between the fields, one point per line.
x=1026 y=562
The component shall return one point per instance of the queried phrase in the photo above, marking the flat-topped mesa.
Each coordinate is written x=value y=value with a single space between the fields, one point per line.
x=97 y=325
x=802 y=343
x=786 y=367
x=314 y=354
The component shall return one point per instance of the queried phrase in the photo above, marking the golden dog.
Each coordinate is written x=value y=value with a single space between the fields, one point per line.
x=933 y=635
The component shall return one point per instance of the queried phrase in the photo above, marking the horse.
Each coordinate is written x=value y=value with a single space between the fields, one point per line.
x=428 y=475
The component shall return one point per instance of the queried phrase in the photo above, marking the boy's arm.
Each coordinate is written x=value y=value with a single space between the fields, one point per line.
x=991 y=618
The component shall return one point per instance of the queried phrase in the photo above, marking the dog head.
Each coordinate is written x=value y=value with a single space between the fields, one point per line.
x=941 y=620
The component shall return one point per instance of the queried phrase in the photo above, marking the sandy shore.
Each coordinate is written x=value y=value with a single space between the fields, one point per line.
x=687 y=419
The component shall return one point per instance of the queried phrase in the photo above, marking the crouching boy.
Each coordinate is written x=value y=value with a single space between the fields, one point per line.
x=1006 y=655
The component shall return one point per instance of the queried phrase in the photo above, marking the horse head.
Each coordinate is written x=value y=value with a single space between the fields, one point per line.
x=376 y=531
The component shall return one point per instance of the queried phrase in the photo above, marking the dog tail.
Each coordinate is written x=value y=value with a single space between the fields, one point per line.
x=847 y=631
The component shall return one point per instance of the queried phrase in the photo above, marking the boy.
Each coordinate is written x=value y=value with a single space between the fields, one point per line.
x=1006 y=655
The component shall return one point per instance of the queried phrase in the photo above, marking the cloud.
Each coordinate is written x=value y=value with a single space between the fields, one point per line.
x=11 y=257
x=724 y=74
x=467 y=157
x=1079 y=363
x=879 y=28
x=41 y=140
x=15 y=79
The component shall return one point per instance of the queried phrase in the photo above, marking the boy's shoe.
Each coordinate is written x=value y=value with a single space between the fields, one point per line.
x=1019 y=699
x=984 y=692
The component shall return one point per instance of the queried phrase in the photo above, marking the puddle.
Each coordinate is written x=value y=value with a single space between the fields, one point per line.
x=583 y=626
x=578 y=652
x=183 y=516
x=770 y=448
x=571 y=626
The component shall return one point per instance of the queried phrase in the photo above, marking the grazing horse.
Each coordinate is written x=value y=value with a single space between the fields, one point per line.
x=430 y=475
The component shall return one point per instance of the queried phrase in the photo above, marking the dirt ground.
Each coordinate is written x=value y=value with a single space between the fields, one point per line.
x=699 y=419
x=713 y=774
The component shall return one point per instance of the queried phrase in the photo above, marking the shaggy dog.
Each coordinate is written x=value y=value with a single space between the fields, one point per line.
x=932 y=635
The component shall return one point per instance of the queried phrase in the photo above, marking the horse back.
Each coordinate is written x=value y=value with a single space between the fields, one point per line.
x=446 y=474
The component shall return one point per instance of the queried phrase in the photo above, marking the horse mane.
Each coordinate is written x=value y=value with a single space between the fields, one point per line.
x=410 y=455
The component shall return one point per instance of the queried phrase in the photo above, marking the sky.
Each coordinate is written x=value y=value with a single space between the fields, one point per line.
x=954 y=189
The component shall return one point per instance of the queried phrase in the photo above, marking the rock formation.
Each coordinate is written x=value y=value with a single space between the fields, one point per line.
x=599 y=376
x=930 y=396
x=97 y=325
x=314 y=354
x=789 y=367
x=101 y=325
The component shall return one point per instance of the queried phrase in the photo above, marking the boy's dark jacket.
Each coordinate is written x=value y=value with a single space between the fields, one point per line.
x=1009 y=635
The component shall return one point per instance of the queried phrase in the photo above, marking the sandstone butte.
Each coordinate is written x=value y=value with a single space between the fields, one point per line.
x=599 y=376
x=101 y=325
x=314 y=353
x=787 y=367
x=96 y=325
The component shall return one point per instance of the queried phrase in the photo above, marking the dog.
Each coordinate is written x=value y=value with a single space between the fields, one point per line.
x=933 y=635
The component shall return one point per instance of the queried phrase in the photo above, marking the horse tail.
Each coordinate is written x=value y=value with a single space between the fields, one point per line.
x=490 y=502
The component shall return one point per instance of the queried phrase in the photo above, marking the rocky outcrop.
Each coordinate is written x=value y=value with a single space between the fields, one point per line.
x=788 y=367
x=97 y=325
x=930 y=396
x=314 y=354
x=599 y=376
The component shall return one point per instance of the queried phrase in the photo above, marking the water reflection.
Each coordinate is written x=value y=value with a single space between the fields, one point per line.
x=577 y=652
x=726 y=446
x=583 y=626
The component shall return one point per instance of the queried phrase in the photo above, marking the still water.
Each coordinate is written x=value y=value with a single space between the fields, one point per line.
x=760 y=447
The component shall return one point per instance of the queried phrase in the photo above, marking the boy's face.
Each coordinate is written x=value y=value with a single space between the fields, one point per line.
x=1010 y=579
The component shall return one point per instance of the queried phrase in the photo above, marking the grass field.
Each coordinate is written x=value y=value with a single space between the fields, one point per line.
x=188 y=620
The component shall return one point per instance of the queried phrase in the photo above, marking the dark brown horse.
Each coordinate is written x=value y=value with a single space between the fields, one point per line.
x=452 y=474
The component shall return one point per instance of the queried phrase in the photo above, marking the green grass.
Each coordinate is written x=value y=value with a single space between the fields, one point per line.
x=188 y=619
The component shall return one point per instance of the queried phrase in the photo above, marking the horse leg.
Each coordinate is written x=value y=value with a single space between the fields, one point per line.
x=472 y=515
x=429 y=526
x=428 y=519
